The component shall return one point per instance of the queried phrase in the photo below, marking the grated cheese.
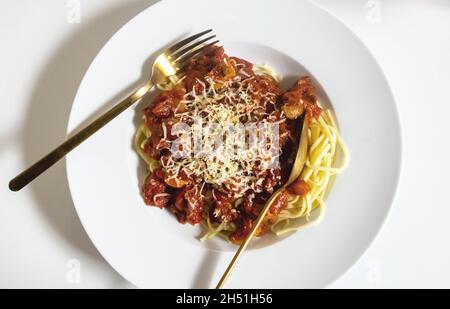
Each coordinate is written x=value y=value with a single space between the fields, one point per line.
x=230 y=138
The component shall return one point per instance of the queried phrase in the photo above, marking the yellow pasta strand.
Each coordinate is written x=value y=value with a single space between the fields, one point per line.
x=323 y=141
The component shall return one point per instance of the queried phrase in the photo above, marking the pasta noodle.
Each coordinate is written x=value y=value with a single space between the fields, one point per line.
x=324 y=141
x=324 y=145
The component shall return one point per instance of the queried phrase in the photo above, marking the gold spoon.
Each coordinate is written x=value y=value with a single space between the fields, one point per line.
x=297 y=168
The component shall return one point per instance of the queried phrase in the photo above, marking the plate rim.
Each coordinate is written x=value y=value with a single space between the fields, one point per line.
x=398 y=132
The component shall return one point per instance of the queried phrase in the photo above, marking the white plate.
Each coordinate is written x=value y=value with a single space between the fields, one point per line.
x=146 y=245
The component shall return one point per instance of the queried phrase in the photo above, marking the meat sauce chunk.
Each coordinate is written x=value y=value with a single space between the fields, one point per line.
x=280 y=203
x=300 y=98
x=243 y=67
x=299 y=187
x=166 y=102
x=199 y=67
x=223 y=209
x=263 y=89
x=243 y=227
x=188 y=206
x=245 y=223
x=155 y=190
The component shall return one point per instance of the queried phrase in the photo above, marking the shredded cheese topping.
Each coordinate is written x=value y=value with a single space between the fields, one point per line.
x=225 y=136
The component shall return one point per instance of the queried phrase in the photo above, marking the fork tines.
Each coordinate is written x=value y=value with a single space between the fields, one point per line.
x=182 y=51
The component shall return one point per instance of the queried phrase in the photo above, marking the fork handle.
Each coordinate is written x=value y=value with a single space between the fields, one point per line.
x=59 y=152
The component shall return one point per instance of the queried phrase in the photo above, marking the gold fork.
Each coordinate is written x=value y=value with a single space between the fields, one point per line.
x=170 y=63
x=297 y=168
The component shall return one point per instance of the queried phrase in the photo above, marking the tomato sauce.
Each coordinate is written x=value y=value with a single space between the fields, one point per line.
x=190 y=198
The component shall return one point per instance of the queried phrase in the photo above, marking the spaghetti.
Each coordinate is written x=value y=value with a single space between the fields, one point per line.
x=225 y=187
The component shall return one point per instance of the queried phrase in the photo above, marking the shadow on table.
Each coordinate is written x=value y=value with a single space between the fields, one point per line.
x=48 y=114
x=206 y=273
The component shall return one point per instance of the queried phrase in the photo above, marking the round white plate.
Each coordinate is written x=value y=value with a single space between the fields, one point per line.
x=146 y=245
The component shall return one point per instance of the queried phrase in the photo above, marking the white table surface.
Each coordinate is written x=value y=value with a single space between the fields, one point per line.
x=44 y=53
